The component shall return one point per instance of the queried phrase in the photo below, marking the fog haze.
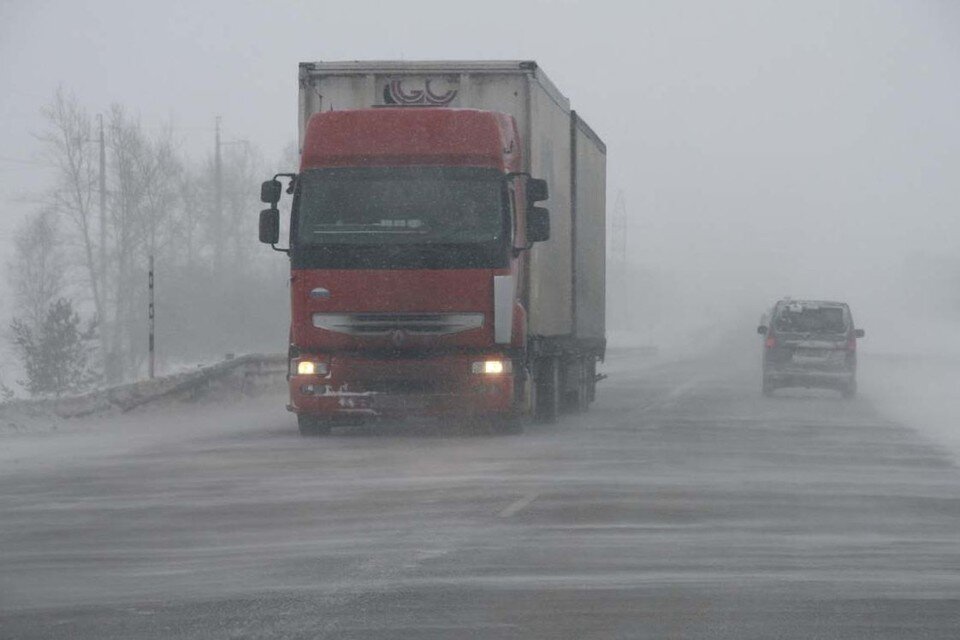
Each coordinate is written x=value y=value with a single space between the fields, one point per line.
x=690 y=484
x=761 y=150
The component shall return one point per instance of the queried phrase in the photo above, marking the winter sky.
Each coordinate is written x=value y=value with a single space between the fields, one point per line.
x=807 y=147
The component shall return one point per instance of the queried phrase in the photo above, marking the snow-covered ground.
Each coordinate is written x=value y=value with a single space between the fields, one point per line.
x=923 y=392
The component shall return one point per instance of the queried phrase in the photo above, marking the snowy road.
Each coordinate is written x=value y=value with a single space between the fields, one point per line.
x=683 y=505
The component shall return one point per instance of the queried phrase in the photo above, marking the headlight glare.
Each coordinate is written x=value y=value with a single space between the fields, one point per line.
x=306 y=368
x=492 y=367
x=312 y=367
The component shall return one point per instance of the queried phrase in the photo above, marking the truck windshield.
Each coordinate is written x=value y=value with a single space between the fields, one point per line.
x=400 y=206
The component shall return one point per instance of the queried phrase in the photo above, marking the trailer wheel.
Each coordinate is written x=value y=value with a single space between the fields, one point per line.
x=584 y=382
x=849 y=390
x=591 y=380
x=508 y=426
x=576 y=381
x=767 y=387
x=312 y=427
x=547 y=394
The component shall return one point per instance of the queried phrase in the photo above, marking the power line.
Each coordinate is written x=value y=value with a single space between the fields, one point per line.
x=23 y=161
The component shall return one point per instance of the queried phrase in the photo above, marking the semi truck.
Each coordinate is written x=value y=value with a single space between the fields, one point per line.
x=446 y=245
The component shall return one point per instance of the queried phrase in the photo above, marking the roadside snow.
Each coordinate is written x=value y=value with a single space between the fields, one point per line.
x=923 y=392
x=233 y=379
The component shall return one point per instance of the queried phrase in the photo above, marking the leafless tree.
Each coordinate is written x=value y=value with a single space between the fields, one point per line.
x=68 y=141
x=37 y=272
x=208 y=258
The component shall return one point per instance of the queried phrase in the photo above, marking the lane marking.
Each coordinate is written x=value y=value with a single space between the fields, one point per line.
x=671 y=398
x=519 y=505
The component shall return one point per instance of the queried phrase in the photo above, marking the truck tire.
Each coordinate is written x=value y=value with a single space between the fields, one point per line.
x=584 y=381
x=591 y=380
x=508 y=426
x=547 y=394
x=573 y=398
x=312 y=427
x=849 y=390
x=767 y=387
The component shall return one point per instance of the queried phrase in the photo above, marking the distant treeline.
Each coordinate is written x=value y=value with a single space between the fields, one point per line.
x=80 y=264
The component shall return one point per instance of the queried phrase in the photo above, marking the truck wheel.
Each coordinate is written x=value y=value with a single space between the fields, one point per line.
x=547 y=395
x=767 y=388
x=591 y=380
x=583 y=385
x=574 y=388
x=508 y=426
x=312 y=427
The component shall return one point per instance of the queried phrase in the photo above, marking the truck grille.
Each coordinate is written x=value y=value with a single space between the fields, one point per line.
x=381 y=324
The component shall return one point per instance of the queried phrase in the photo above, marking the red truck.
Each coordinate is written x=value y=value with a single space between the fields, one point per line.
x=425 y=280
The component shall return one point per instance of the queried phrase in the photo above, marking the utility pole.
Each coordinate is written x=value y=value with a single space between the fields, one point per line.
x=102 y=289
x=151 y=322
x=217 y=202
x=103 y=204
x=220 y=225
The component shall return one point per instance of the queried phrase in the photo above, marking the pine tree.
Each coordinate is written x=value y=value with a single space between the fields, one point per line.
x=56 y=354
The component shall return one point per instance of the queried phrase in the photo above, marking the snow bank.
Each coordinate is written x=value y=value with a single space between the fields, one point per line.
x=243 y=376
x=921 y=391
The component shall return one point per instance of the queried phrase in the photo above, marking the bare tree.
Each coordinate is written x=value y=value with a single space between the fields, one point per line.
x=45 y=331
x=37 y=271
x=207 y=256
x=146 y=177
x=68 y=140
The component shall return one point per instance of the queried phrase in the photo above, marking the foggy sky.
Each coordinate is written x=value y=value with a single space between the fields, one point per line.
x=806 y=148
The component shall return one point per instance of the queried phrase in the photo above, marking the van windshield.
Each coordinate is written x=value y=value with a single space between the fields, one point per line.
x=797 y=318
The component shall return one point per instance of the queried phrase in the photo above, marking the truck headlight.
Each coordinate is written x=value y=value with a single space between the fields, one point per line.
x=311 y=367
x=492 y=367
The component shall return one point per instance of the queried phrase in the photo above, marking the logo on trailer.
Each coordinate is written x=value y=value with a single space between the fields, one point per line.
x=408 y=93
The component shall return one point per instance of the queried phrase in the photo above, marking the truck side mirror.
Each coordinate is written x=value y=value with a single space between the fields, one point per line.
x=537 y=190
x=762 y=330
x=270 y=225
x=859 y=333
x=270 y=192
x=538 y=224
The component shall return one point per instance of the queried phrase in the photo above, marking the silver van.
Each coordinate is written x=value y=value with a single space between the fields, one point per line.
x=810 y=343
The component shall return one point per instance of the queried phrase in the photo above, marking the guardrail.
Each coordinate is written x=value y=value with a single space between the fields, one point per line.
x=245 y=375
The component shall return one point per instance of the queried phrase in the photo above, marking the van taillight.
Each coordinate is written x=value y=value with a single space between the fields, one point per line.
x=770 y=342
x=852 y=344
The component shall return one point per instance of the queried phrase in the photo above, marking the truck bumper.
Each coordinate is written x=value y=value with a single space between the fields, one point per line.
x=357 y=389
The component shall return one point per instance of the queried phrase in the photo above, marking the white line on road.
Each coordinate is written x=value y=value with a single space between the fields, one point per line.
x=516 y=507
x=673 y=396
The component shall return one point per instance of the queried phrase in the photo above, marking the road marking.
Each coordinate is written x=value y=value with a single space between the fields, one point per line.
x=516 y=507
x=673 y=396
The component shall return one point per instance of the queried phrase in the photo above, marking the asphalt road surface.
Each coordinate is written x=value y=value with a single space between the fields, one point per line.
x=683 y=505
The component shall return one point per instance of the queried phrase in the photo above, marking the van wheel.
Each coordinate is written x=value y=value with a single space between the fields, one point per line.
x=312 y=427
